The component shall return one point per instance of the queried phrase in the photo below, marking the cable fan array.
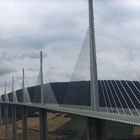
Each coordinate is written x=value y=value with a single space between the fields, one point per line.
x=78 y=89
x=119 y=91
x=119 y=86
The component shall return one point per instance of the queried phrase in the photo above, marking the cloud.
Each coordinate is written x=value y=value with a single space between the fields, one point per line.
x=58 y=28
x=31 y=26
x=117 y=39
x=4 y=71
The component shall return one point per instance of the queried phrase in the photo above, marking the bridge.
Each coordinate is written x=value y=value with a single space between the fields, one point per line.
x=98 y=100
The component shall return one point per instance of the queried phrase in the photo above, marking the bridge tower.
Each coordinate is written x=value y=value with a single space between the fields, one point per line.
x=42 y=112
x=15 y=100
x=95 y=126
x=13 y=82
x=93 y=63
x=41 y=78
x=23 y=84
x=5 y=91
x=14 y=112
x=24 y=110
x=6 y=111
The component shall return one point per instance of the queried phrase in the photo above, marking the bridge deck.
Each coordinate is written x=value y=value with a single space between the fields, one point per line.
x=133 y=120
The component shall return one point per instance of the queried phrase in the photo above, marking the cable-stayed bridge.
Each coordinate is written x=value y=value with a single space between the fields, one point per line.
x=85 y=95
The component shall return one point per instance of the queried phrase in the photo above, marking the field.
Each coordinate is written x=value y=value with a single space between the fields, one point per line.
x=67 y=127
x=60 y=127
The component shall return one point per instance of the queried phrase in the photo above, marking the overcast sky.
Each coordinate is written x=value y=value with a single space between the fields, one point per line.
x=58 y=28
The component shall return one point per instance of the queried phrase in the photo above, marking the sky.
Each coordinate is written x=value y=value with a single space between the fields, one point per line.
x=58 y=28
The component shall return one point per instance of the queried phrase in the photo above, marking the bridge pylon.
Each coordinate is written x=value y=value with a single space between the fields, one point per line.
x=15 y=100
x=5 y=93
x=95 y=126
x=26 y=97
x=23 y=84
x=41 y=78
x=93 y=63
x=42 y=112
